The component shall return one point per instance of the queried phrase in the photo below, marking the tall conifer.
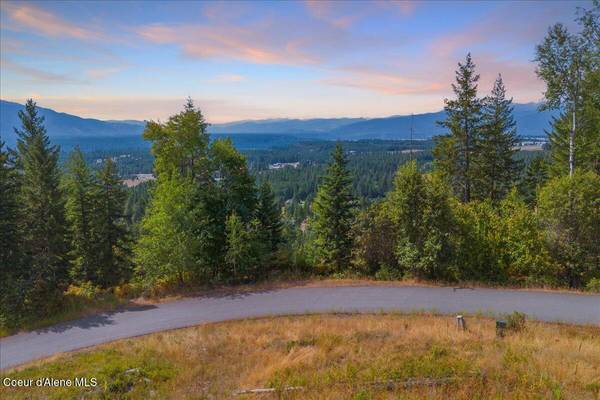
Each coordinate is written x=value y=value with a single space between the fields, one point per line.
x=463 y=121
x=334 y=212
x=495 y=168
x=43 y=220
x=113 y=251
x=81 y=198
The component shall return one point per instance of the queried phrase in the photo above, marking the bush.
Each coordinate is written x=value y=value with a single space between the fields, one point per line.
x=515 y=322
x=593 y=285
x=569 y=211
x=386 y=273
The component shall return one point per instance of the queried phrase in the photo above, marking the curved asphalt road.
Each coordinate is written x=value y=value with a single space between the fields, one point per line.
x=134 y=321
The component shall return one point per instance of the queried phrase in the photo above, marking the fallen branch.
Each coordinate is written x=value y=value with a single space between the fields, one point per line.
x=388 y=384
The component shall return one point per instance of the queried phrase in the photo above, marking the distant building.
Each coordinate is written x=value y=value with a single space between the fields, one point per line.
x=138 y=179
x=283 y=165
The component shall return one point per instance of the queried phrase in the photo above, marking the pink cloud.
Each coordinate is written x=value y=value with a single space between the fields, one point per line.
x=35 y=74
x=384 y=82
x=261 y=44
x=28 y=17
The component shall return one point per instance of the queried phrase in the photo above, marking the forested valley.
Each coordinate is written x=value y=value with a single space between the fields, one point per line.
x=465 y=207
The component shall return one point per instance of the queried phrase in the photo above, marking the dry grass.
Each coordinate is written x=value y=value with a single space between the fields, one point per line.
x=334 y=357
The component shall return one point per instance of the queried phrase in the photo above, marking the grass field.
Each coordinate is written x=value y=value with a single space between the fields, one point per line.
x=332 y=357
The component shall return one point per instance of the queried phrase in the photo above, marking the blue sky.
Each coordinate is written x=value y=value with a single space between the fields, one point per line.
x=251 y=60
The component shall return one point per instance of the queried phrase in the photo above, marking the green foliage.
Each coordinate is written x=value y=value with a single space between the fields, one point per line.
x=525 y=252
x=479 y=250
x=167 y=246
x=82 y=196
x=333 y=215
x=420 y=211
x=568 y=64
x=245 y=249
x=269 y=216
x=569 y=209
x=233 y=179
x=494 y=162
x=180 y=145
x=113 y=246
x=375 y=242
x=535 y=175
x=463 y=119
x=42 y=223
x=593 y=285
x=99 y=239
x=12 y=272
x=515 y=321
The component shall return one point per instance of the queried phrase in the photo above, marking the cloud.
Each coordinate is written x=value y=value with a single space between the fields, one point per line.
x=384 y=82
x=256 y=45
x=216 y=110
x=228 y=78
x=332 y=13
x=101 y=73
x=30 y=18
x=35 y=74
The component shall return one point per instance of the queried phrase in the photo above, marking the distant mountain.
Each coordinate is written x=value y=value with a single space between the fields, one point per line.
x=61 y=126
x=283 y=125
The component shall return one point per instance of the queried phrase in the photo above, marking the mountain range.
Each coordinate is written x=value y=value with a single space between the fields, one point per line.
x=530 y=122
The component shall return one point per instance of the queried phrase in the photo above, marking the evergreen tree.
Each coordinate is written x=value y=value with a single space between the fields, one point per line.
x=463 y=120
x=269 y=216
x=243 y=250
x=536 y=174
x=495 y=169
x=171 y=233
x=43 y=220
x=81 y=198
x=9 y=214
x=333 y=210
x=113 y=252
x=11 y=267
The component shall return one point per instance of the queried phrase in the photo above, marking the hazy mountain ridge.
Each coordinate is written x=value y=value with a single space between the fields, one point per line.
x=530 y=122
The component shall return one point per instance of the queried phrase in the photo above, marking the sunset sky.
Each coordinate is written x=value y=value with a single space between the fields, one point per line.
x=251 y=60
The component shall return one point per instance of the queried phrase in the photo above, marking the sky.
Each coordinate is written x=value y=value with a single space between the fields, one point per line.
x=254 y=60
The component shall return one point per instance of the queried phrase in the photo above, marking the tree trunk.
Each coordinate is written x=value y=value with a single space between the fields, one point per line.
x=572 y=147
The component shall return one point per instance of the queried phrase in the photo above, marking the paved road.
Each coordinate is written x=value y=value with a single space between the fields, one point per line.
x=135 y=321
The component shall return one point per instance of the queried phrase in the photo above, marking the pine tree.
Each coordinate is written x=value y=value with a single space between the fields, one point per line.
x=333 y=210
x=536 y=174
x=9 y=214
x=113 y=250
x=269 y=216
x=43 y=213
x=11 y=267
x=463 y=121
x=81 y=196
x=243 y=250
x=495 y=168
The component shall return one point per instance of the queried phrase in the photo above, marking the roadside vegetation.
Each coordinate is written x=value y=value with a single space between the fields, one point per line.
x=67 y=245
x=335 y=356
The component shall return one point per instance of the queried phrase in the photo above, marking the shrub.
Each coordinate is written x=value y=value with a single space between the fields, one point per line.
x=515 y=322
x=593 y=285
